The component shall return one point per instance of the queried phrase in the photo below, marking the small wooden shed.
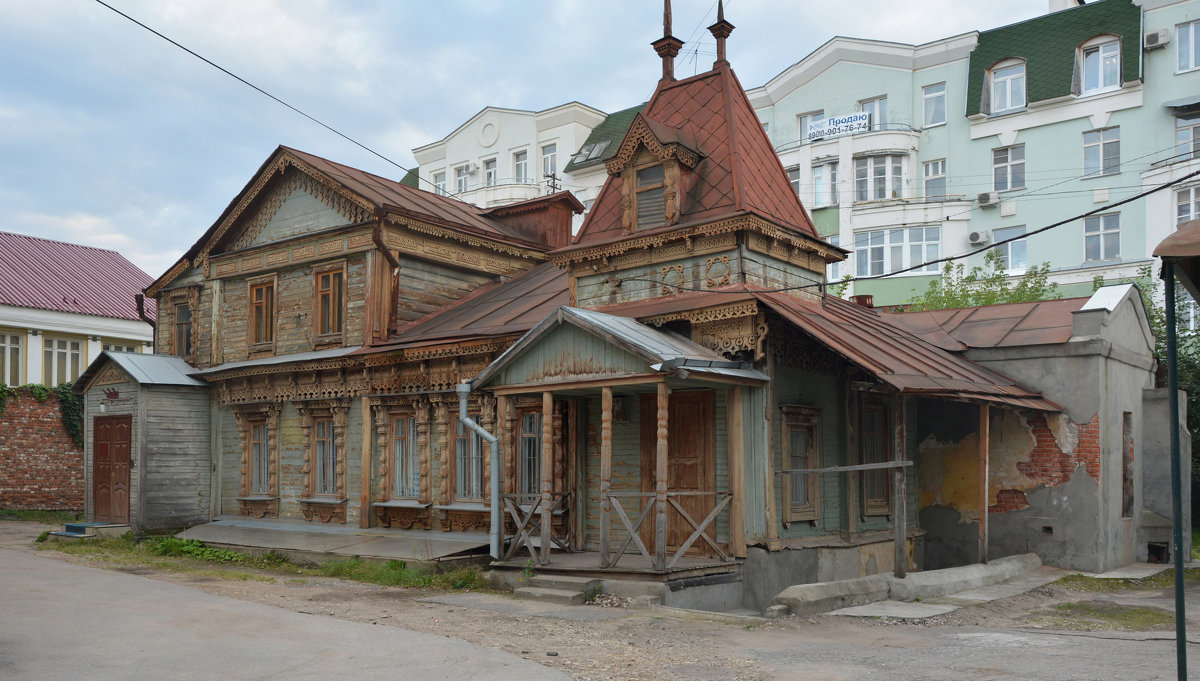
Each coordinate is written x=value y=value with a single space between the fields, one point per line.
x=147 y=461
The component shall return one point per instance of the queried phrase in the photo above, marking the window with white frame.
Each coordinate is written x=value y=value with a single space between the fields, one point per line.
x=878 y=109
x=878 y=177
x=1187 y=204
x=489 y=172
x=439 y=183
x=935 y=178
x=794 y=178
x=1012 y=254
x=1187 y=39
x=1101 y=65
x=406 y=459
x=10 y=358
x=1008 y=168
x=521 y=167
x=833 y=271
x=468 y=463
x=887 y=250
x=1102 y=237
x=1007 y=87
x=549 y=160
x=935 y=104
x=460 y=179
x=1187 y=137
x=116 y=347
x=825 y=184
x=1101 y=152
x=806 y=119
x=60 y=360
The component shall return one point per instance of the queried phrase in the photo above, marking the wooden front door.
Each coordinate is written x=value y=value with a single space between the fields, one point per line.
x=110 y=468
x=690 y=462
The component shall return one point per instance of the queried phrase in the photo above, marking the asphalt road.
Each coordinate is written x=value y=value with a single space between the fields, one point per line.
x=64 y=621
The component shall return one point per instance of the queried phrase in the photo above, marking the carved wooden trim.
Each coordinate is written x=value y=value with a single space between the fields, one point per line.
x=444 y=238
x=672 y=278
x=326 y=513
x=403 y=518
x=487 y=419
x=445 y=454
x=337 y=410
x=459 y=520
x=244 y=415
x=640 y=136
x=172 y=274
x=716 y=271
x=421 y=408
x=110 y=376
x=708 y=314
x=259 y=508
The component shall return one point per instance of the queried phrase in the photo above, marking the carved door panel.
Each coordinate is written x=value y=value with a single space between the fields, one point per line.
x=110 y=468
x=690 y=462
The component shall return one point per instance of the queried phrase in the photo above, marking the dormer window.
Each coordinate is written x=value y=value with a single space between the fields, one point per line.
x=650 y=197
x=1101 y=64
x=1007 y=86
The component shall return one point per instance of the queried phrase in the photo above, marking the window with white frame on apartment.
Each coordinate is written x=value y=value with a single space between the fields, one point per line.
x=1102 y=152
x=460 y=178
x=833 y=271
x=60 y=360
x=935 y=177
x=1187 y=41
x=882 y=251
x=118 y=347
x=935 y=104
x=521 y=167
x=549 y=160
x=878 y=177
x=10 y=358
x=489 y=172
x=1101 y=64
x=1187 y=204
x=1102 y=237
x=1187 y=137
x=468 y=463
x=794 y=178
x=1008 y=168
x=439 y=183
x=1007 y=87
x=1012 y=254
x=825 y=184
x=877 y=107
x=803 y=121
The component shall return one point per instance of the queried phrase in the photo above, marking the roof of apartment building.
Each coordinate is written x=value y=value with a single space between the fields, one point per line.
x=602 y=142
x=1049 y=44
x=54 y=275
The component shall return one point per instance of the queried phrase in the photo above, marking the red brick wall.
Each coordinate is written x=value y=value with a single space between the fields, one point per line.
x=1051 y=465
x=40 y=468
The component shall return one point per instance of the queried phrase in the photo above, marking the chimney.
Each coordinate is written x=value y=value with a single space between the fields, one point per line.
x=864 y=300
x=667 y=46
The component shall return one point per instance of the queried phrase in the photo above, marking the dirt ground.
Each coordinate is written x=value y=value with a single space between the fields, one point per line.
x=590 y=642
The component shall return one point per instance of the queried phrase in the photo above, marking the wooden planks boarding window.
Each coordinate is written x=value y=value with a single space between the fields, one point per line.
x=802 y=491
x=876 y=448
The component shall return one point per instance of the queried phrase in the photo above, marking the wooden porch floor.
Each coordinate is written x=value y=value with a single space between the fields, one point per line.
x=631 y=566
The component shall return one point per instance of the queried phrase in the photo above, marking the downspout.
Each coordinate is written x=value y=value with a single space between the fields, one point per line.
x=464 y=390
x=140 y=300
x=377 y=238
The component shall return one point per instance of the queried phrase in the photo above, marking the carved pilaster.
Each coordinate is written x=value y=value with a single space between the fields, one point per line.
x=306 y=468
x=487 y=419
x=340 y=412
x=627 y=179
x=508 y=446
x=560 y=456
x=383 y=423
x=445 y=456
x=243 y=426
x=422 y=414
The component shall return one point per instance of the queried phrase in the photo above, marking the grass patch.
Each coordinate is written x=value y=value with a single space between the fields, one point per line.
x=399 y=573
x=1162 y=580
x=43 y=517
x=1101 y=616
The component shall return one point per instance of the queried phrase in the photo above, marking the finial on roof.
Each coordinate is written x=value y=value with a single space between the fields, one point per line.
x=667 y=46
x=721 y=31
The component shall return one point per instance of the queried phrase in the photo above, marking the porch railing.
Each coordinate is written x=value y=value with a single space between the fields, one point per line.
x=525 y=512
x=646 y=502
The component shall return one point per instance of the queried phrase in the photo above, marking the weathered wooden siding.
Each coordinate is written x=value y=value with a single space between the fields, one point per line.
x=795 y=386
x=299 y=213
x=127 y=403
x=569 y=352
x=175 y=457
x=427 y=286
x=626 y=467
x=593 y=290
x=755 y=446
x=230 y=460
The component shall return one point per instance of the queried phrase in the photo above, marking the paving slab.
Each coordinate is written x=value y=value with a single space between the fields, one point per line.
x=1131 y=571
x=1013 y=587
x=896 y=609
x=511 y=606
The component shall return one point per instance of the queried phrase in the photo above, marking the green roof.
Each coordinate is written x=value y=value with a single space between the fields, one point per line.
x=602 y=144
x=1048 y=45
x=411 y=179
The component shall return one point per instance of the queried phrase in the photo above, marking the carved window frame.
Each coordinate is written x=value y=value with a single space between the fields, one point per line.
x=331 y=269
x=336 y=412
x=170 y=302
x=521 y=482
x=482 y=410
x=876 y=447
x=257 y=502
x=629 y=177
x=805 y=419
x=255 y=345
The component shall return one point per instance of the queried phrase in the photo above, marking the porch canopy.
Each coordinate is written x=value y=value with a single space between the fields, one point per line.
x=576 y=351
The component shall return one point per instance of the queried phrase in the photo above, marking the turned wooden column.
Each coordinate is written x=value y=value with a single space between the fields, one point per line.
x=606 y=404
x=660 y=482
x=547 y=466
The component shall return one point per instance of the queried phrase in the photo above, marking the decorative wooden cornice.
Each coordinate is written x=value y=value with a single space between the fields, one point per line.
x=444 y=234
x=640 y=135
x=165 y=280
x=747 y=308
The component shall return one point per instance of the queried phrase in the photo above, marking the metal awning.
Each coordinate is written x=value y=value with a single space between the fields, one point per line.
x=1184 y=103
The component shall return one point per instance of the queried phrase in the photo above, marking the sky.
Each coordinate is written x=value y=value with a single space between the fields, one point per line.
x=112 y=137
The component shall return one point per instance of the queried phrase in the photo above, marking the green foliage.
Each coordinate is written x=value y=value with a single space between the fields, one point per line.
x=42 y=537
x=70 y=408
x=39 y=391
x=838 y=290
x=6 y=392
x=986 y=285
x=191 y=548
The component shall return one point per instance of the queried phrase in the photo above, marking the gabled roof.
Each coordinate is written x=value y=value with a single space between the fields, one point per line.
x=144 y=369
x=738 y=172
x=55 y=275
x=993 y=326
x=604 y=139
x=904 y=361
x=376 y=194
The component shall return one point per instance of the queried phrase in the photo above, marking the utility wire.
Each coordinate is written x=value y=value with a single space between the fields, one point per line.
x=233 y=75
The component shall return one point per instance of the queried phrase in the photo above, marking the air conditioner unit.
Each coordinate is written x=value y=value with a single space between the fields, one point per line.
x=1157 y=39
x=473 y=169
x=980 y=237
x=987 y=199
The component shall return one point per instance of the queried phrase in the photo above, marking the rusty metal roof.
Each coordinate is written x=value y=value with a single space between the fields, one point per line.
x=1182 y=248
x=55 y=275
x=1044 y=322
x=900 y=359
x=494 y=310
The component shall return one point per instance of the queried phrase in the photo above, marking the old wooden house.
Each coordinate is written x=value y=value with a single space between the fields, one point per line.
x=672 y=395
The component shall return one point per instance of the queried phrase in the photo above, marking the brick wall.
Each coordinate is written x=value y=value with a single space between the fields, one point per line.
x=1049 y=464
x=40 y=468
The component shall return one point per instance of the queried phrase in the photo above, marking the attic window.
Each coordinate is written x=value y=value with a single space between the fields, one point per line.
x=651 y=201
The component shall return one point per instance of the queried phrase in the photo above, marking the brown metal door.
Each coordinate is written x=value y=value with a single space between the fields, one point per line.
x=110 y=468
x=690 y=462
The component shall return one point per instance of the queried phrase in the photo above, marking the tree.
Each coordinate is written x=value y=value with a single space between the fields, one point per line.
x=986 y=285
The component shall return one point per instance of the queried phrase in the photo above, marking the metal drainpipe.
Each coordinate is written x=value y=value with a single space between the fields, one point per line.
x=139 y=299
x=464 y=390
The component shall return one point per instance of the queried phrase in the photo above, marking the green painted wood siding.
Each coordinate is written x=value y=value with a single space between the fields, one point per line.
x=570 y=352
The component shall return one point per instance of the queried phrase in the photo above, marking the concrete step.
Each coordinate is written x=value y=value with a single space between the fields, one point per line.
x=71 y=536
x=559 y=596
x=565 y=583
x=111 y=530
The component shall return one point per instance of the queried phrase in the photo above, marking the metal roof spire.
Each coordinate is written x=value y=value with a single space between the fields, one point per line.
x=721 y=31
x=667 y=46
